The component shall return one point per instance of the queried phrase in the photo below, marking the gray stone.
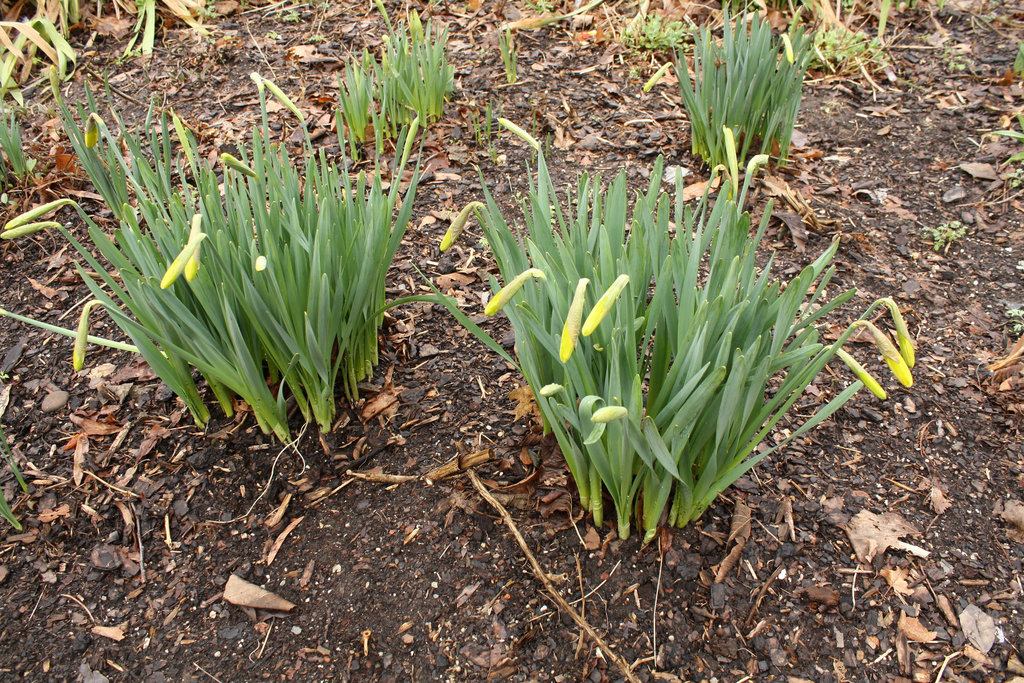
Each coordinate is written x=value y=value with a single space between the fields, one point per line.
x=54 y=401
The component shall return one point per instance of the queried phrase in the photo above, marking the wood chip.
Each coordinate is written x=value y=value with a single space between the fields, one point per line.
x=240 y=592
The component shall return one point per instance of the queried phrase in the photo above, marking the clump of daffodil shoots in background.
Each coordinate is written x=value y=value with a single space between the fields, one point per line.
x=412 y=80
x=660 y=382
x=750 y=83
x=264 y=274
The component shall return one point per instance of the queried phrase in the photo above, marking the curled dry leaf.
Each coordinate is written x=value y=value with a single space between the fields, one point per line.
x=871 y=534
x=914 y=630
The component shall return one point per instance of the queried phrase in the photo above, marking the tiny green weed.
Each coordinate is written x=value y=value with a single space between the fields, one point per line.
x=652 y=32
x=944 y=235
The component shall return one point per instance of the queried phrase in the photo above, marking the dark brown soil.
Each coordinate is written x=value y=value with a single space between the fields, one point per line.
x=413 y=581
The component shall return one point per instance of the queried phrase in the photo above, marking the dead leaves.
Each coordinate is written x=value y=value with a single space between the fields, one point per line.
x=872 y=534
x=979 y=628
x=1013 y=512
x=912 y=628
x=240 y=592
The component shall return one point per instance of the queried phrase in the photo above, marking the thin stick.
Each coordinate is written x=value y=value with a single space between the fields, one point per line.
x=546 y=582
x=138 y=537
x=80 y=604
x=112 y=487
x=951 y=656
x=196 y=665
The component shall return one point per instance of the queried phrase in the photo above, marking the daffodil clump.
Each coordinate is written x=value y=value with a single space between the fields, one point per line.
x=264 y=274
x=653 y=376
x=750 y=83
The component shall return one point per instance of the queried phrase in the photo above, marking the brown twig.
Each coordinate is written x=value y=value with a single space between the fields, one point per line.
x=546 y=582
x=760 y=595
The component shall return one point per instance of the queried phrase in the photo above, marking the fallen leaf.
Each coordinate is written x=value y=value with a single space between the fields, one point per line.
x=525 y=405
x=81 y=450
x=386 y=402
x=1013 y=512
x=979 y=628
x=938 y=500
x=897 y=579
x=113 y=632
x=47 y=516
x=93 y=428
x=696 y=190
x=454 y=280
x=913 y=629
x=979 y=170
x=740 y=528
x=48 y=292
x=466 y=594
x=240 y=592
x=871 y=534
x=591 y=539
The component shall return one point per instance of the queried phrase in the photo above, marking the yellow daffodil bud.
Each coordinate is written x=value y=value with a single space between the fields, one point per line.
x=233 y=163
x=902 y=333
x=261 y=263
x=28 y=229
x=603 y=305
x=571 y=329
x=92 y=130
x=609 y=414
x=508 y=291
x=549 y=390
x=858 y=370
x=78 y=354
x=529 y=139
x=177 y=266
x=458 y=225
x=787 y=45
x=890 y=353
x=38 y=212
x=192 y=267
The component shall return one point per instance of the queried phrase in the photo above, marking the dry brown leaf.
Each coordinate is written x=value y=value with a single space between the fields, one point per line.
x=740 y=528
x=240 y=592
x=979 y=170
x=914 y=630
x=938 y=499
x=897 y=579
x=1013 y=512
x=979 y=628
x=871 y=534
x=591 y=539
x=113 y=632
x=525 y=405
x=77 y=465
x=696 y=190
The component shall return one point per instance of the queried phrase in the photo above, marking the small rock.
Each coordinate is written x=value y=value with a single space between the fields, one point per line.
x=590 y=142
x=953 y=194
x=296 y=630
x=105 y=557
x=54 y=401
x=408 y=638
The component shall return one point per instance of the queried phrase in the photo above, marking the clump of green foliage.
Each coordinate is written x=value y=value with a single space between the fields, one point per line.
x=750 y=84
x=653 y=32
x=944 y=235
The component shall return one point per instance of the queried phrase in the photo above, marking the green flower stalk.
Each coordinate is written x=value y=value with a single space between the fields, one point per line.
x=31 y=215
x=78 y=354
x=519 y=132
x=28 y=229
x=571 y=329
x=236 y=165
x=604 y=304
x=459 y=224
x=863 y=375
x=506 y=293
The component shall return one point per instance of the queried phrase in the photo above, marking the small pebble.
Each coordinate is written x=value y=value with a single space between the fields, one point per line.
x=296 y=630
x=54 y=401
